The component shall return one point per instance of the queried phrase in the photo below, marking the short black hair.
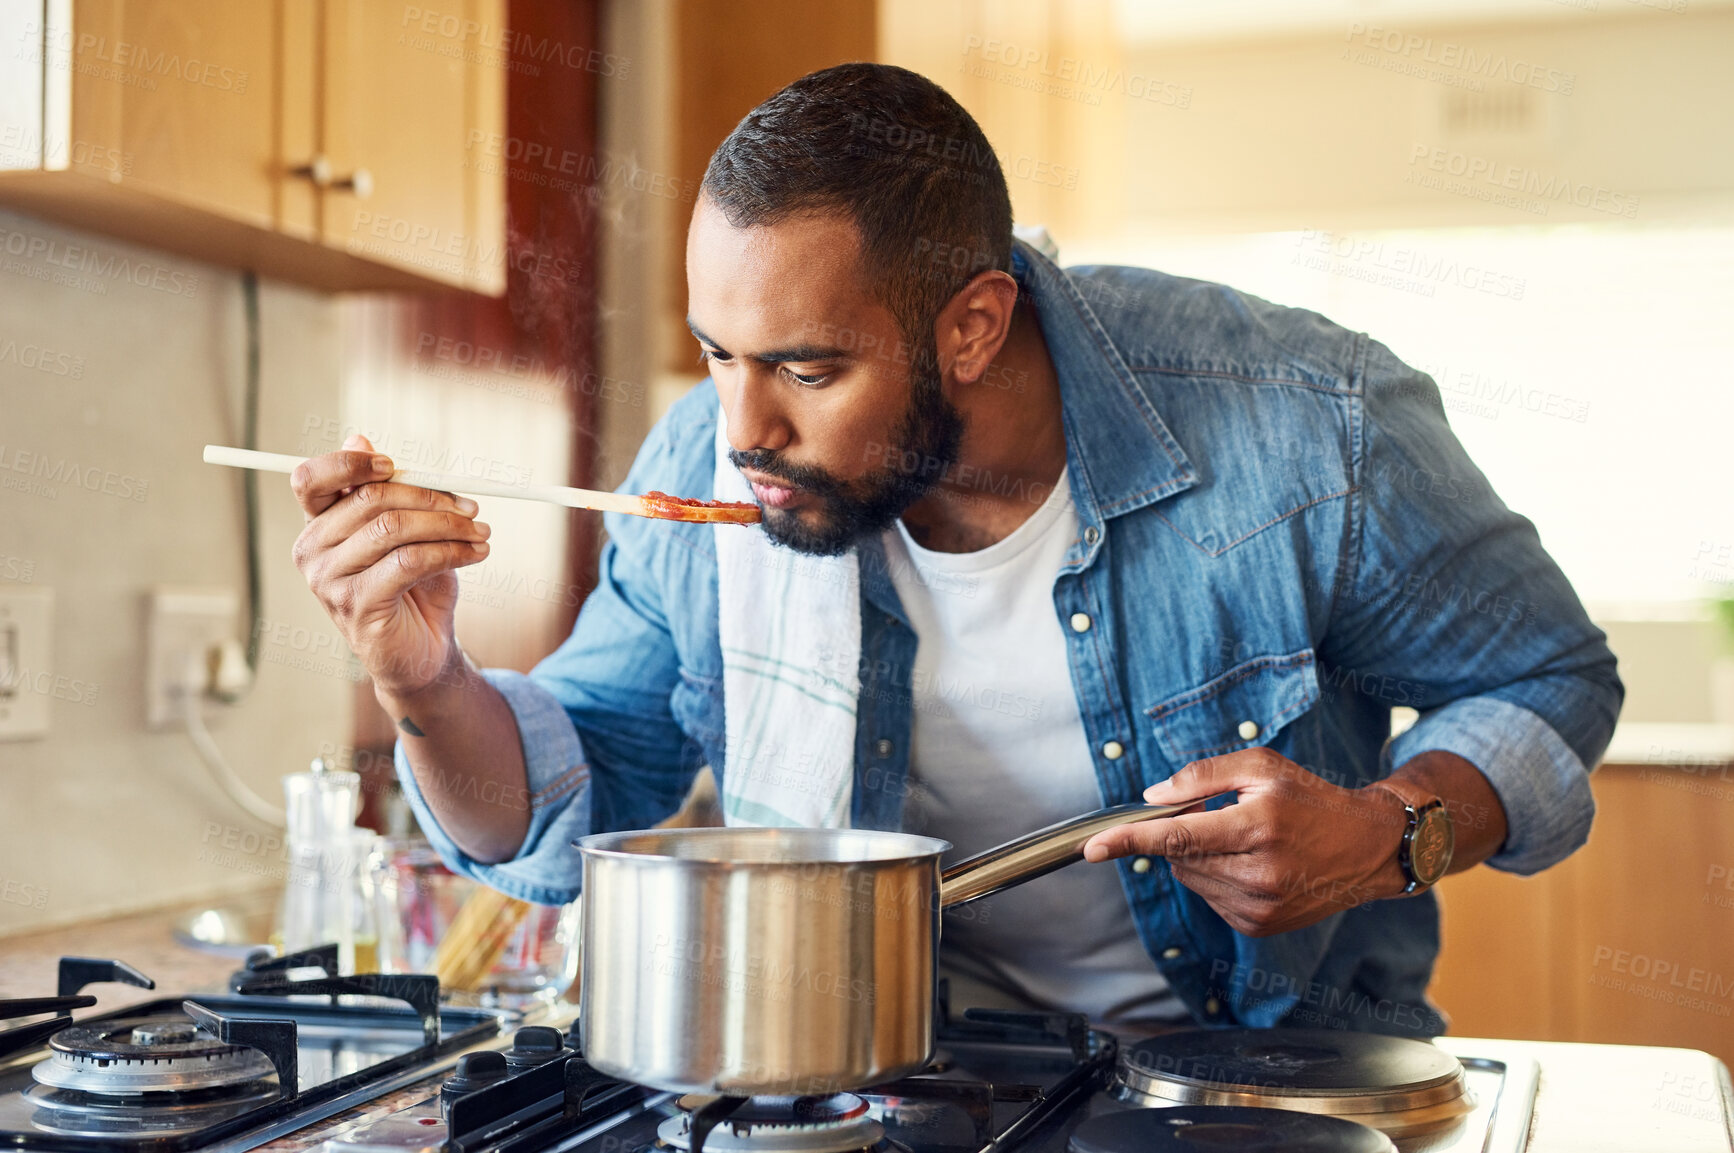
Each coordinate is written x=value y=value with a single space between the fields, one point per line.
x=895 y=153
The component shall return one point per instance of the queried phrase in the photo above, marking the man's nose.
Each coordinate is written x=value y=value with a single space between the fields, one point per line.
x=755 y=419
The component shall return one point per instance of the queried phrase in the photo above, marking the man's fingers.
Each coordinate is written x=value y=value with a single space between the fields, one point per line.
x=408 y=565
x=319 y=481
x=353 y=513
x=1228 y=773
x=393 y=528
x=1184 y=836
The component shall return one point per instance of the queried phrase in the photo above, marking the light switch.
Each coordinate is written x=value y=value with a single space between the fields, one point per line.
x=26 y=681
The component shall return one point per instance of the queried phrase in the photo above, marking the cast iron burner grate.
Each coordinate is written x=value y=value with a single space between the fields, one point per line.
x=173 y=1074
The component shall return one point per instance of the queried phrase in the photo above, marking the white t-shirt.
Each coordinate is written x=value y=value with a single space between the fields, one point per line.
x=998 y=750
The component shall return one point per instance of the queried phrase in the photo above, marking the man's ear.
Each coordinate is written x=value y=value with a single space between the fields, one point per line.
x=974 y=325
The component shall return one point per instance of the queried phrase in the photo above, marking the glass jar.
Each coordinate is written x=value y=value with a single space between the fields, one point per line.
x=418 y=898
x=328 y=897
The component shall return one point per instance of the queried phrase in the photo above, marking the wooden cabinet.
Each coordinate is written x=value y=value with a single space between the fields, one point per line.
x=327 y=142
x=180 y=94
x=416 y=98
x=1630 y=940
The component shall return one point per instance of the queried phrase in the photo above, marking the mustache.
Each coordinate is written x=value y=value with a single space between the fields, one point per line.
x=771 y=463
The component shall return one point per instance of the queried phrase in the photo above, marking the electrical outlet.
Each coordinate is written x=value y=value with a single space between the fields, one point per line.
x=182 y=626
x=26 y=681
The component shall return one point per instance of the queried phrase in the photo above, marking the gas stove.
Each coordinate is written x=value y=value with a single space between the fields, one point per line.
x=1000 y=1082
x=377 y=1065
x=280 y=1051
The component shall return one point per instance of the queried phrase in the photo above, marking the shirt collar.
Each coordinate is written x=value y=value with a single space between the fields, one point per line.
x=1121 y=454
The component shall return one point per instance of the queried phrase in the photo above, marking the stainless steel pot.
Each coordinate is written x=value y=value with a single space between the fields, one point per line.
x=781 y=961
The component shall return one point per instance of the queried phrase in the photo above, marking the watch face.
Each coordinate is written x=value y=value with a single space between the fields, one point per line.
x=1430 y=848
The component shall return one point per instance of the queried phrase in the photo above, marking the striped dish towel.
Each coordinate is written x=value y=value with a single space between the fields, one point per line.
x=791 y=645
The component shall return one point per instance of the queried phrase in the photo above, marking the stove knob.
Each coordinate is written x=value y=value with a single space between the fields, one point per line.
x=536 y=1045
x=474 y=1071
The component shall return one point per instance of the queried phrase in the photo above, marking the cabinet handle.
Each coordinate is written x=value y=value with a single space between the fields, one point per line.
x=318 y=170
x=359 y=182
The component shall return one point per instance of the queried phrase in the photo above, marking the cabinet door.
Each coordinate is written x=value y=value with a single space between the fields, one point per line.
x=179 y=97
x=410 y=93
x=1626 y=942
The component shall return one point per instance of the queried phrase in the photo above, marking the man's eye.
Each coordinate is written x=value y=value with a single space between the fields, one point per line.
x=712 y=356
x=810 y=380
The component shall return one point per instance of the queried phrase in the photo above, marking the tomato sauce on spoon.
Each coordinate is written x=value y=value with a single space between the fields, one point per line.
x=666 y=507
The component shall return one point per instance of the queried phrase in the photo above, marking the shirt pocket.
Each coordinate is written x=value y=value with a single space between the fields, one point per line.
x=1245 y=706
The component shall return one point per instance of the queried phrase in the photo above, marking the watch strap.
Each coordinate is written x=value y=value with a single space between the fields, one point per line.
x=1416 y=802
x=1411 y=794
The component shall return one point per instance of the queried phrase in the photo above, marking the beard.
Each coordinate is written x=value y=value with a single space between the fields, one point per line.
x=921 y=451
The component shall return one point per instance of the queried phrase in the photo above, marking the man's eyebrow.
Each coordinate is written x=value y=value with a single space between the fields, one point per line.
x=799 y=354
x=703 y=338
x=795 y=354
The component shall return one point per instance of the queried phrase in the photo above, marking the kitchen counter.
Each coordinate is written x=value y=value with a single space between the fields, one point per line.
x=1619 y=1098
x=143 y=940
x=1692 y=746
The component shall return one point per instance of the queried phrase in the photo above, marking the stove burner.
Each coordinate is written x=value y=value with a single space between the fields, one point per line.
x=1198 y=1128
x=832 y=1124
x=154 y=1055
x=72 y=1113
x=163 y=1032
x=1357 y=1071
x=1398 y=1085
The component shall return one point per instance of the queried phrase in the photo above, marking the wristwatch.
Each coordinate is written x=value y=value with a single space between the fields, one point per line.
x=1425 y=851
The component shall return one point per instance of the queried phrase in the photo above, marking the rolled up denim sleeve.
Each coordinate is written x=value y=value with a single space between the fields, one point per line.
x=1542 y=785
x=1451 y=591
x=602 y=748
x=546 y=868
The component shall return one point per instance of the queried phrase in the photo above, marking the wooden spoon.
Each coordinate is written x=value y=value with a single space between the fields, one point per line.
x=656 y=505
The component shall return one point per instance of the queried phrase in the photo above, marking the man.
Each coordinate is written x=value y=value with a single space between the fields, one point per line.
x=1034 y=541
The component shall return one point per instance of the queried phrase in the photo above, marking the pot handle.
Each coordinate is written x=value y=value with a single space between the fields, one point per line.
x=1039 y=853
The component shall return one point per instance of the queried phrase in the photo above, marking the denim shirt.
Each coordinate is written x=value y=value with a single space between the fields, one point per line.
x=1279 y=541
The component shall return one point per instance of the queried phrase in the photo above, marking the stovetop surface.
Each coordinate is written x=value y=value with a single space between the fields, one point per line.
x=340 y=1049
x=988 y=1092
x=990 y=1095
x=999 y=1082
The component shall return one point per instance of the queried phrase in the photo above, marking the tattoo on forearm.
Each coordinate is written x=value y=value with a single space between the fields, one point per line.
x=409 y=727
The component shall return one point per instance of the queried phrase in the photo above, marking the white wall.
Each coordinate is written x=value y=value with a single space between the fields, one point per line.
x=102 y=814
x=1385 y=122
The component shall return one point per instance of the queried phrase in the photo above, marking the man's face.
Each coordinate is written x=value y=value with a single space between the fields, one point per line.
x=837 y=423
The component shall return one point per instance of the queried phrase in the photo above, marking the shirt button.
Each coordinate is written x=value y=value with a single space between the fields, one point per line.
x=1249 y=730
x=1080 y=622
x=884 y=747
x=1113 y=750
x=1141 y=865
x=1212 y=1006
x=1092 y=535
x=1171 y=952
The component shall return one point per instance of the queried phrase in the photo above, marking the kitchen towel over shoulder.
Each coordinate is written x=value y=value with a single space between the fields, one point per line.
x=790 y=627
